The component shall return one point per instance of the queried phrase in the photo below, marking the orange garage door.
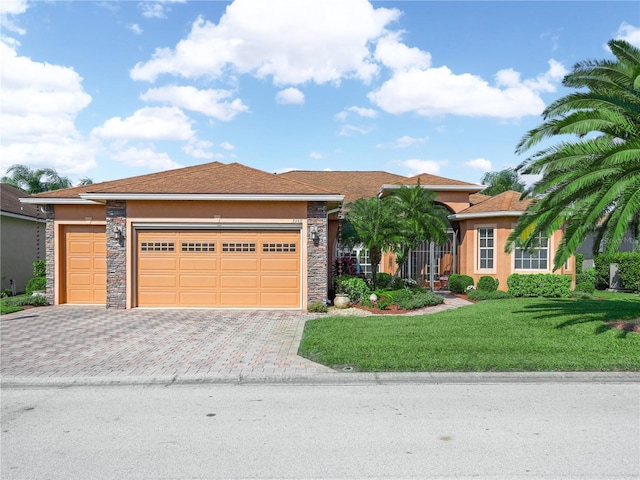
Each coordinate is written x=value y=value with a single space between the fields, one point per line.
x=85 y=254
x=241 y=269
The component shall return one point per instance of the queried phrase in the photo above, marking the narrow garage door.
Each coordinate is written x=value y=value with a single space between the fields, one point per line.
x=227 y=269
x=85 y=264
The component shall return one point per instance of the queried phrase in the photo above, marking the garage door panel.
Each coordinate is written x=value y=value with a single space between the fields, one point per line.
x=198 y=299
x=159 y=280
x=158 y=299
x=238 y=299
x=198 y=281
x=239 y=264
x=279 y=281
x=158 y=264
x=280 y=264
x=238 y=281
x=220 y=268
x=199 y=264
x=279 y=300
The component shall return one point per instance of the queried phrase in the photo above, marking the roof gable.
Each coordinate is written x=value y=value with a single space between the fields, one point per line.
x=504 y=203
x=207 y=179
x=352 y=184
x=427 y=179
x=10 y=202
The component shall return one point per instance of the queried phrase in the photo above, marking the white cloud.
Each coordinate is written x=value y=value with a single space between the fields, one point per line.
x=209 y=102
x=480 y=164
x=146 y=157
x=416 y=166
x=157 y=9
x=197 y=149
x=290 y=96
x=407 y=141
x=135 y=28
x=438 y=91
x=359 y=111
x=161 y=123
x=628 y=33
x=39 y=104
x=397 y=56
x=8 y=9
x=227 y=146
x=348 y=130
x=291 y=42
x=317 y=155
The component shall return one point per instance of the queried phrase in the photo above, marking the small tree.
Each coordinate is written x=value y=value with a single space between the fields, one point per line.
x=502 y=181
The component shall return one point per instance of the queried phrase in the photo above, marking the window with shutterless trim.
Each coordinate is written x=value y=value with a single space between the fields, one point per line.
x=198 y=247
x=238 y=247
x=485 y=248
x=536 y=258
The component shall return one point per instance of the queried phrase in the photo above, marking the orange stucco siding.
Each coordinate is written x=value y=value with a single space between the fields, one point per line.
x=504 y=263
x=456 y=201
x=201 y=209
x=80 y=213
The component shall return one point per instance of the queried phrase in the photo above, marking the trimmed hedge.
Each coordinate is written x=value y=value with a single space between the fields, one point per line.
x=628 y=269
x=459 y=283
x=479 y=295
x=539 y=285
x=488 y=284
x=355 y=287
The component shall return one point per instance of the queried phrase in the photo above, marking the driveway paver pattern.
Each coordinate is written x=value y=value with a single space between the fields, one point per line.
x=87 y=342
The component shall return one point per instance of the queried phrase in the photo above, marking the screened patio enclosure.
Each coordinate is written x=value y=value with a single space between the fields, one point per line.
x=431 y=264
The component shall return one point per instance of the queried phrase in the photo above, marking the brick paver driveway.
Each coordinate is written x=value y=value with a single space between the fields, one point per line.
x=67 y=343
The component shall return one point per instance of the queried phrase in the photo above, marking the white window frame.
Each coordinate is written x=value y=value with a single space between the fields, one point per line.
x=477 y=257
x=522 y=269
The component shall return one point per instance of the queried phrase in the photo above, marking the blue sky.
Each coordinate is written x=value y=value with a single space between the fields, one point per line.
x=108 y=89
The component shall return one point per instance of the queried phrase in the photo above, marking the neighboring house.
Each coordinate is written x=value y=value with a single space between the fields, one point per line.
x=230 y=236
x=586 y=248
x=22 y=238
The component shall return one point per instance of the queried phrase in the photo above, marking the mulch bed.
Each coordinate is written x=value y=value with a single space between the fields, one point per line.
x=630 y=326
x=392 y=310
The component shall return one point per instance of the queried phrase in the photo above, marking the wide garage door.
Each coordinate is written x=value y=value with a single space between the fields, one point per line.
x=228 y=269
x=85 y=264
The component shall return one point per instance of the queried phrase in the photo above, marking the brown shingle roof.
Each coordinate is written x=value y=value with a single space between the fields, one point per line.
x=476 y=198
x=428 y=179
x=210 y=178
x=353 y=185
x=508 y=201
x=10 y=202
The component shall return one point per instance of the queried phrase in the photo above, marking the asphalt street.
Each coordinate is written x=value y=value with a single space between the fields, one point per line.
x=549 y=430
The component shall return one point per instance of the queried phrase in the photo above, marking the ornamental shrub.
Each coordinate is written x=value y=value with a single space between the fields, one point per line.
x=488 y=284
x=318 y=307
x=383 y=279
x=355 y=287
x=419 y=299
x=36 y=283
x=579 y=262
x=459 y=283
x=479 y=295
x=40 y=268
x=539 y=285
x=587 y=287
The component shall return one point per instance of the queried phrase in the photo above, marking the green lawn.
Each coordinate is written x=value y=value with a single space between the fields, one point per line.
x=498 y=335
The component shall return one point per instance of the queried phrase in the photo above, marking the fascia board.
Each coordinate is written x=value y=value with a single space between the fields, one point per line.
x=58 y=201
x=466 y=216
x=101 y=197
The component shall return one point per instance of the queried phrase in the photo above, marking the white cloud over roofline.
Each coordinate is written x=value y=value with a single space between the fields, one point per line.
x=480 y=164
x=438 y=91
x=210 y=102
x=40 y=103
x=149 y=123
x=147 y=158
x=291 y=42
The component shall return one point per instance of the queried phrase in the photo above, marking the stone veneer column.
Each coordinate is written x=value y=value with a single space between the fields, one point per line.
x=317 y=258
x=116 y=254
x=50 y=252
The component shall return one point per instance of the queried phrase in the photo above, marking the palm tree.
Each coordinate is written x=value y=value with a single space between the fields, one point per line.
x=375 y=226
x=35 y=181
x=502 y=181
x=420 y=220
x=591 y=181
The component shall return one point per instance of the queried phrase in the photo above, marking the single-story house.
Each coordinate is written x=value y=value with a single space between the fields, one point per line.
x=230 y=236
x=22 y=238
